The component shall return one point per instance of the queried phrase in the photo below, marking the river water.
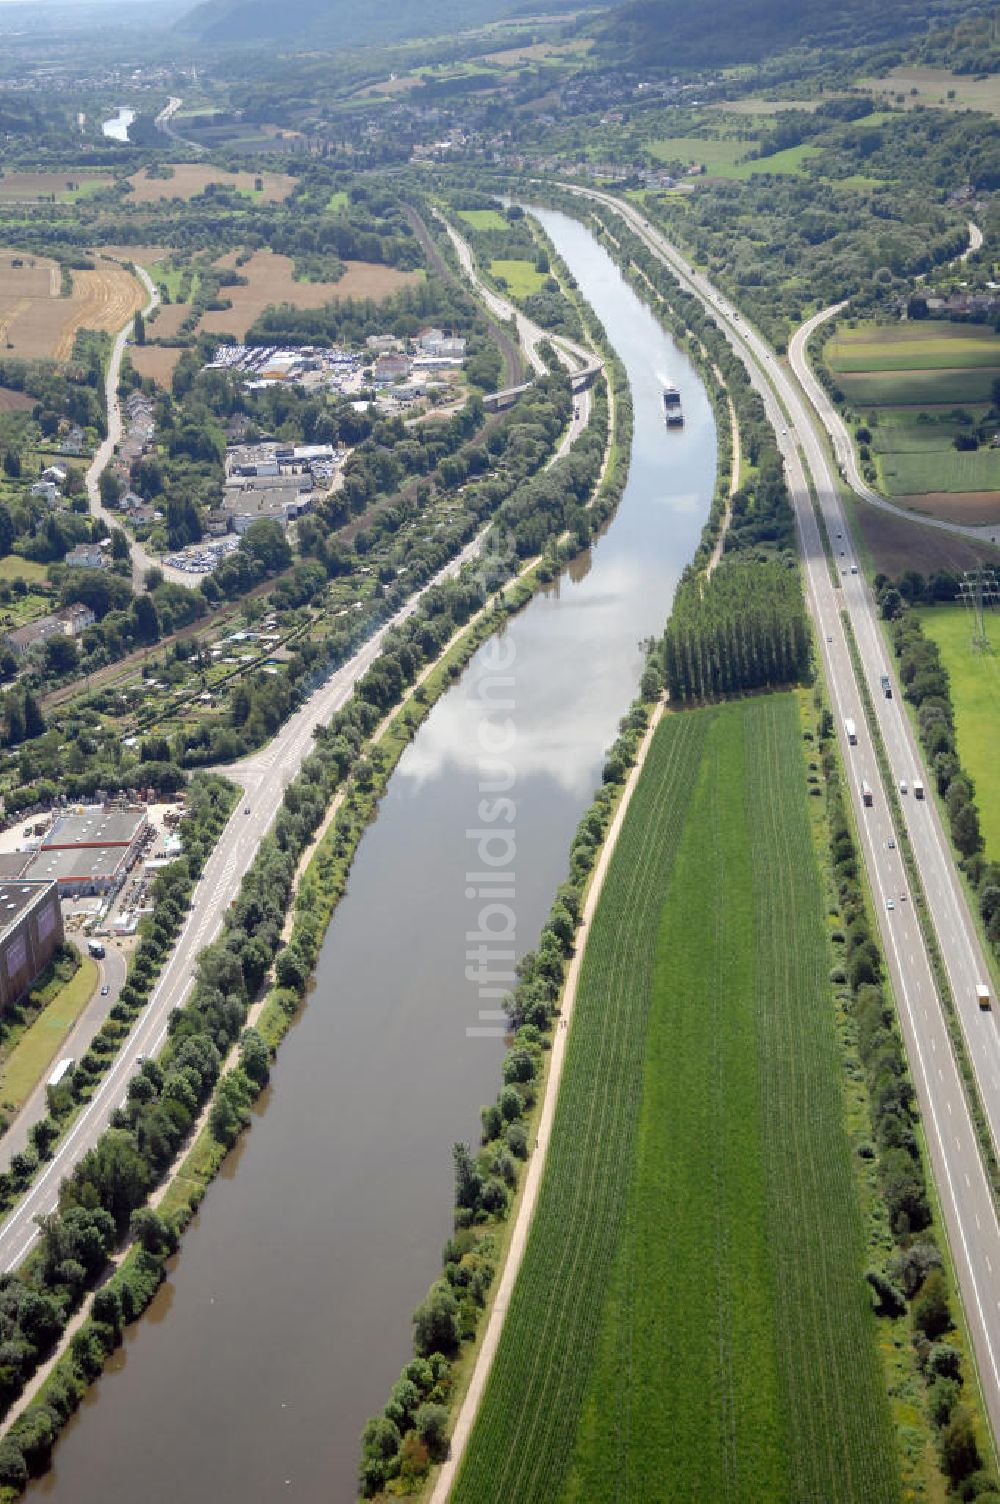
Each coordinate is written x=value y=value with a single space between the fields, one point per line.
x=286 y=1318
x=117 y=129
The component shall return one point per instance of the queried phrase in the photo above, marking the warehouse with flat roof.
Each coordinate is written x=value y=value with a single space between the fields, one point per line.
x=89 y=850
x=31 y=930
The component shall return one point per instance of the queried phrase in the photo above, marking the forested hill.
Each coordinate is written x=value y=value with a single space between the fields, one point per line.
x=337 y=23
x=678 y=34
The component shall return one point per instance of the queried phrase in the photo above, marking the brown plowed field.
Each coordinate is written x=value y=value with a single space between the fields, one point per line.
x=15 y=402
x=142 y=255
x=168 y=320
x=972 y=507
x=193 y=177
x=157 y=361
x=19 y=187
x=896 y=544
x=36 y=322
x=270 y=281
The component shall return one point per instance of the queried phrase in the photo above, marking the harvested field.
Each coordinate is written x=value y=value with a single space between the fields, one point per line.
x=270 y=280
x=895 y=544
x=168 y=320
x=157 y=361
x=36 y=322
x=194 y=177
x=15 y=402
x=971 y=507
x=142 y=255
x=27 y=187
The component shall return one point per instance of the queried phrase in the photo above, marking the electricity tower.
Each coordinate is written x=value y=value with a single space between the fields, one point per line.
x=978 y=589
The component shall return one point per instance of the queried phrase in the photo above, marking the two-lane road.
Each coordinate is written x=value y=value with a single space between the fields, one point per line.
x=966 y=1199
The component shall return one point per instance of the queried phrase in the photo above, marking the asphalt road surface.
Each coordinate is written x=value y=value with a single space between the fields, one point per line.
x=263 y=777
x=965 y=1195
x=141 y=560
x=531 y=335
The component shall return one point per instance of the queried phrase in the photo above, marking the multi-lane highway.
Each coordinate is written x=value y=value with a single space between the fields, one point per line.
x=263 y=777
x=965 y=1195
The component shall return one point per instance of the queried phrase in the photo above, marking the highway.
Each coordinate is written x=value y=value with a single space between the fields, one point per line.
x=967 y=1203
x=263 y=778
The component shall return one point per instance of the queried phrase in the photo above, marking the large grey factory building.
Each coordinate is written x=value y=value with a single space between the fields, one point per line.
x=31 y=929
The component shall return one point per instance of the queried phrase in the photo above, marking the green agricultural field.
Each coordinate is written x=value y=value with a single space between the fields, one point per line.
x=975 y=693
x=924 y=345
x=916 y=380
x=691 y=1319
x=921 y=387
x=13 y=567
x=483 y=219
x=520 y=277
x=727 y=157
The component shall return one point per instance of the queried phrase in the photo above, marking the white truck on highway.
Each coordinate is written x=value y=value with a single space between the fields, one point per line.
x=867 y=797
x=982 y=995
x=852 y=731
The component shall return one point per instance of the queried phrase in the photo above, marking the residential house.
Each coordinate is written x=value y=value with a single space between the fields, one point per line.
x=383 y=344
x=428 y=337
x=75 y=618
x=22 y=639
x=68 y=621
x=56 y=474
x=47 y=490
x=85 y=556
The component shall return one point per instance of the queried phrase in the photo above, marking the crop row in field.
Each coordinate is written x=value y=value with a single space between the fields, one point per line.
x=914 y=345
x=690 y=1320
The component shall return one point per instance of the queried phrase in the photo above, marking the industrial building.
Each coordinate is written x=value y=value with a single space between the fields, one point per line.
x=89 y=850
x=31 y=930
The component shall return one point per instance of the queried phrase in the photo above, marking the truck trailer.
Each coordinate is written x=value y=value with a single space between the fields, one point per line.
x=886 y=686
x=866 y=794
x=918 y=789
x=852 y=731
x=982 y=995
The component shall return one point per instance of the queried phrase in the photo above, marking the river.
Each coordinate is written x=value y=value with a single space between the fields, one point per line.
x=286 y=1318
x=117 y=129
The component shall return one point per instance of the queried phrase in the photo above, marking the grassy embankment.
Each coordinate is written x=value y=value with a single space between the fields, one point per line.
x=52 y=1008
x=975 y=694
x=916 y=387
x=691 y=1319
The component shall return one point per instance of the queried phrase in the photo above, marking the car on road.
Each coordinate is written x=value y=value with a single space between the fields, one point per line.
x=889 y=903
x=854 y=569
x=105 y=990
x=891 y=844
x=903 y=786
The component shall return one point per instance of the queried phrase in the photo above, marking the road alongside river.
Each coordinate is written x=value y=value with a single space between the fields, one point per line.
x=286 y=1318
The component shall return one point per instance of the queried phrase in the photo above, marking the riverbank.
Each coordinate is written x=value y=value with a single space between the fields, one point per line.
x=391 y=1060
x=178 y=1196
